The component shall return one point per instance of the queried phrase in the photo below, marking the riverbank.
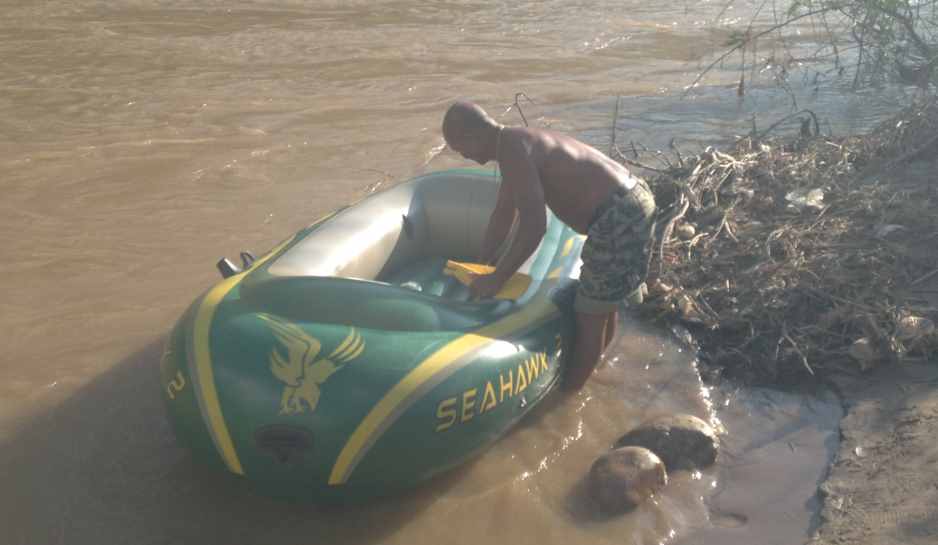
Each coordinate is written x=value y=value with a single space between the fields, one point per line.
x=810 y=261
x=882 y=488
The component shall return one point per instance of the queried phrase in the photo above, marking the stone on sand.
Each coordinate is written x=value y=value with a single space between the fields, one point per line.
x=681 y=441
x=625 y=477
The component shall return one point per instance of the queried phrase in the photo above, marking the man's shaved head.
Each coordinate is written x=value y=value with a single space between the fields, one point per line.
x=464 y=119
x=471 y=132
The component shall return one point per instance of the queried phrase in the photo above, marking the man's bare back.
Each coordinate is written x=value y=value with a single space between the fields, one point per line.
x=575 y=177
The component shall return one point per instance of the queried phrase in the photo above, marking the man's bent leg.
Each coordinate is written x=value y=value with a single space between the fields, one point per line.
x=588 y=346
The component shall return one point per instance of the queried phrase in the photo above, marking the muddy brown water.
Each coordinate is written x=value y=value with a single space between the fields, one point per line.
x=140 y=141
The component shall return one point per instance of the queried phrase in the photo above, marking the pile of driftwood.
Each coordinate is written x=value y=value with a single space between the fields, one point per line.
x=787 y=258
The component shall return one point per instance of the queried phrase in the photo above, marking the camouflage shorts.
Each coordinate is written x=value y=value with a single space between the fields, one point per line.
x=615 y=255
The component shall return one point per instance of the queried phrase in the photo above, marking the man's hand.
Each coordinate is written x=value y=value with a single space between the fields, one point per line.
x=486 y=285
x=487 y=257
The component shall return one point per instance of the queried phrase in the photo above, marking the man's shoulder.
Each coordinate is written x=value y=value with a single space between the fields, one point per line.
x=530 y=133
x=532 y=142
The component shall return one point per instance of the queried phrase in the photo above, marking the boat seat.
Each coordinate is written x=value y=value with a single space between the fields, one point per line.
x=425 y=275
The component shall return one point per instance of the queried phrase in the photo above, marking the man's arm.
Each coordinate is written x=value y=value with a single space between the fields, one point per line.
x=520 y=174
x=499 y=224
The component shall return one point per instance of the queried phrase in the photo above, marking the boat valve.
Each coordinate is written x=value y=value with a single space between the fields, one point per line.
x=247 y=259
x=227 y=268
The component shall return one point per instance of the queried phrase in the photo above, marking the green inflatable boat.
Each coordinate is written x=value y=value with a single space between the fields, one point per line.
x=350 y=362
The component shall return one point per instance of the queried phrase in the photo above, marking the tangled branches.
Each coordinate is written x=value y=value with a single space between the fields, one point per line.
x=786 y=261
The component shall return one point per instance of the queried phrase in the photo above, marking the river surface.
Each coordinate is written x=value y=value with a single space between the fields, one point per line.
x=142 y=140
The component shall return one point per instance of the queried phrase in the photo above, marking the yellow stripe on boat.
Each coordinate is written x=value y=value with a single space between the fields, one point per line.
x=208 y=395
x=567 y=247
x=406 y=392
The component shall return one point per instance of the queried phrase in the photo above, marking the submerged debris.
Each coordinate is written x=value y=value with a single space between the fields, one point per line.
x=790 y=257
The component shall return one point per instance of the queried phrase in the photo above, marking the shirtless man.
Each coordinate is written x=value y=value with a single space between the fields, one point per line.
x=588 y=191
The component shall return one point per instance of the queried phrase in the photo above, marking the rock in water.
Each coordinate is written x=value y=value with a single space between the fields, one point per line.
x=681 y=441
x=623 y=478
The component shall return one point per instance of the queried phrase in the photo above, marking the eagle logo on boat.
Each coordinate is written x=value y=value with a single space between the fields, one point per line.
x=300 y=368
